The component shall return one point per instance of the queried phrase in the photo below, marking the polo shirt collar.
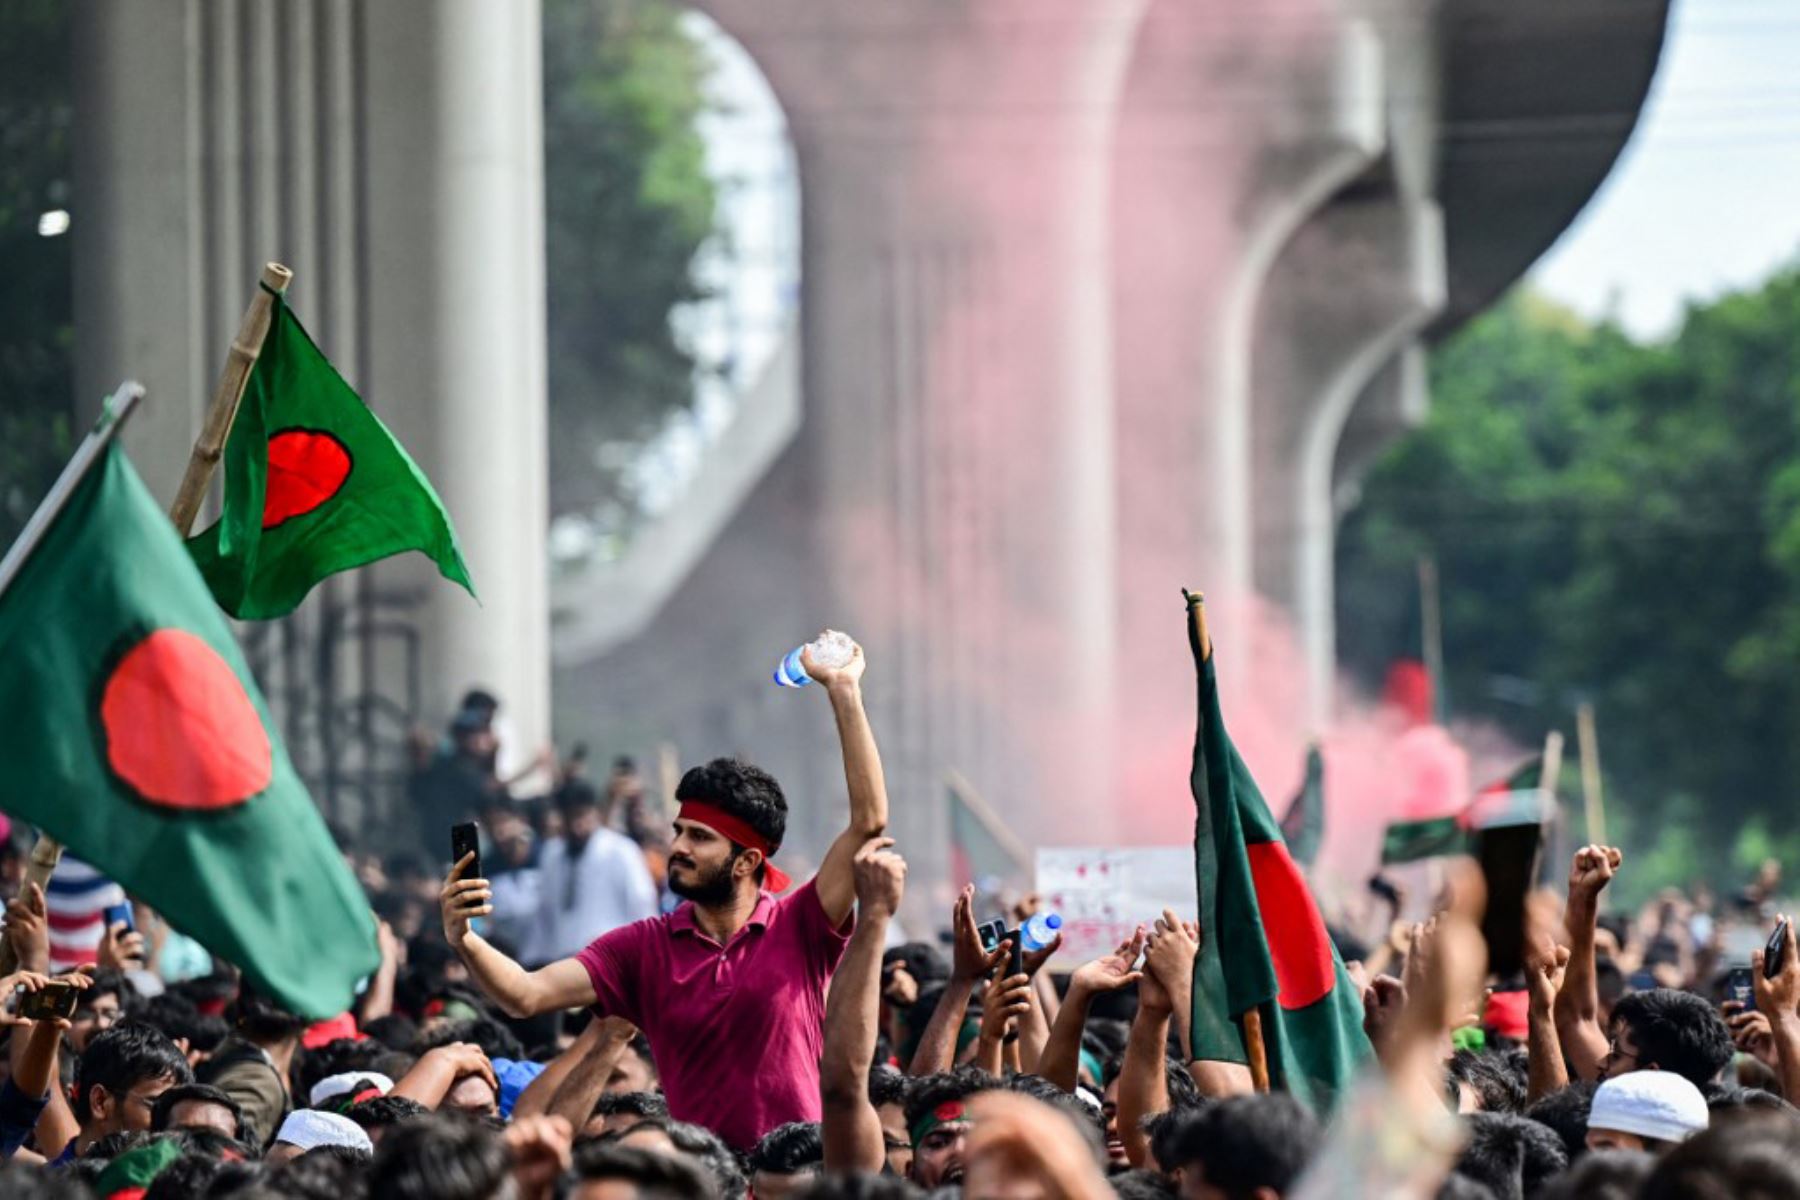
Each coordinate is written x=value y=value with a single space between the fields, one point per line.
x=682 y=919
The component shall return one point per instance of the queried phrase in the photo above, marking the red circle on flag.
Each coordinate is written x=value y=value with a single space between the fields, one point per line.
x=307 y=467
x=1304 y=970
x=180 y=729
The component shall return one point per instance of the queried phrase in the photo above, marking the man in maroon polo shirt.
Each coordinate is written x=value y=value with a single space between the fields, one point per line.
x=730 y=987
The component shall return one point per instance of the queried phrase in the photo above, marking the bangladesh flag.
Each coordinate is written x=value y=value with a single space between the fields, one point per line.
x=1433 y=837
x=1519 y=799
x=314 y=485
x=133 y=734
x=1264 y=947
x=1303 y=825
x=980 y=849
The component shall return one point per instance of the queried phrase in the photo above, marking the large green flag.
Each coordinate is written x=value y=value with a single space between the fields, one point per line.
x=134 y=734
x=314 y=485
x=1263 y=946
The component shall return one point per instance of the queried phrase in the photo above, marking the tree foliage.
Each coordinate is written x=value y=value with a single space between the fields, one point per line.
x=628 y=204
x=1617 y=521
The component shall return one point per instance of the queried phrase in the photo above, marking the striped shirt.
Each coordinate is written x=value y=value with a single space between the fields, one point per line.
x=76 y=902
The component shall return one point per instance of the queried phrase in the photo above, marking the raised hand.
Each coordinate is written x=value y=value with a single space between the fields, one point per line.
x=1169 y=952
x=1114 y=971
x=1545 y=967
x=850 y=673
x=540 y=1149
x=1005 y=1002
x=1779 y=997
x=1592 y=869
x=462 y=900
x=121 y=948
x=880 y=877
x=28 y=929
x=970 y=960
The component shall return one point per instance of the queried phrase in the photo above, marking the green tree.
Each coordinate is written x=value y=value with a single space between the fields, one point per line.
x=1613 y=520
x=628 y=204
x=36 y=301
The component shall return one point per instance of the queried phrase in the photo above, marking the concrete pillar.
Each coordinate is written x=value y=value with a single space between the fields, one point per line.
x=391 y=153
x=1351 y=292
x=958 y=426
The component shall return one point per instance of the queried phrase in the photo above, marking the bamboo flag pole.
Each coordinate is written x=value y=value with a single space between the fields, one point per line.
x=1254 y=1048
x=1553 y=751
x=47 y=851
x=210 y=445
x=1593 y=801
x=990 y=821
x=1431 y=634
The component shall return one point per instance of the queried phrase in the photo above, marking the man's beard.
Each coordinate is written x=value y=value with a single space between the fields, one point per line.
x=707 y=889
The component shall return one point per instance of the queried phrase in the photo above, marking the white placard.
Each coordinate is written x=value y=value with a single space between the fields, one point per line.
x=1104 y=892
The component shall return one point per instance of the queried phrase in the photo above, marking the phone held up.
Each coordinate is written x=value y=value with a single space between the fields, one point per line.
x=1739 y=987
x=466 y=839
x=995 y=932
x=51 y=1002
x=1775 y=953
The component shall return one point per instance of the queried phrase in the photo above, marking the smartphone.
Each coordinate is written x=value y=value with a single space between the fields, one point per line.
x=1739 y=987
x=992 y=933
x=466 y=839
x=48 y=1003
x=1509 y=861
x=1775 y=953
x=995 y=932
x=115 y=913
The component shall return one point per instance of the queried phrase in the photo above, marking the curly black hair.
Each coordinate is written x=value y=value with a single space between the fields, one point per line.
x=788 y=1149
x=1676 y=1031
x=928 y=1092
x=746 y=792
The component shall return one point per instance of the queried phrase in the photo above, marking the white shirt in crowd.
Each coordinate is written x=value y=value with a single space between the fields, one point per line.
x=606 y=886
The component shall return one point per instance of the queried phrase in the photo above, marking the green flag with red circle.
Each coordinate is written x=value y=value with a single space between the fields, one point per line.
x=314 y=485
x=134 y=734
x=1264 y=946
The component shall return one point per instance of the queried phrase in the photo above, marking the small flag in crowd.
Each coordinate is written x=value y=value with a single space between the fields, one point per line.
x=1303 y=825
x=1432 y=837
x=1265 y=947
x=1519 y=799
x=314 y=485
x=134 y=735
x=981 y=848
x=75 y=904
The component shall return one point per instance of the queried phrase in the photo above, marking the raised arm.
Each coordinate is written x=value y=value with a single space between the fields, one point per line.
x=1778 y=999
x=518 y=992
x=1545 y=967
x=1061 y=1060
x=970 y=963
x=852 y=1129
x=862 y=773
x=1165 y=992
x=437 y=1071
x=580 y=1089
x=1578 y=1003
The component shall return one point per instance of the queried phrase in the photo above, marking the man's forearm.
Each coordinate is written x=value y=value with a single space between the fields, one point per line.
x=1577 y=1011
x=535 y=1099
x=851 y=1129
x=1060 y=1063
x=1546 y=1071
x=35 y=1067
x=578 y=1093
x=937 y=1046
x=504 y=981
x=1143 y=1088
x=1785 y=1028
x=862 y=762
x=1034 y=1034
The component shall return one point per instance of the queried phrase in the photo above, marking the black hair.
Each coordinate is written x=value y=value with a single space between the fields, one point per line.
x=1609 y=981
x=714 y=1155
x=861 y=1186
x=479 y=699
x=20 y=1182
x=1676 y=1031
x=177 y=1016
x=193 y=1093
x=1733 y=1099
x=1498 y=1080
x=340 y=1056
x=929 y=1092
x=1461 y=1187
x=258 y=1017
x=1603 y=1175
x=1512 y=1156
x=1757 y=1154
x=395 y=1031
x=887 y=1086
x=198 y=1174
x=438 y=1158
x=636 y=1104
x=1243 y=1143
x=1085 y=1115
x=114 y=1144
x=1142 y=1185
x=1164 y=1132
x=118 y=1058
x=923 y=962
x=577 y=793
x=1565 y=1112
x=654 y=1176
x=109 y=981
x=495 y=1039
x=384 y=1112
x=788 y=1149
x=323 y=1173
x=354 y=1156
x=748 y=793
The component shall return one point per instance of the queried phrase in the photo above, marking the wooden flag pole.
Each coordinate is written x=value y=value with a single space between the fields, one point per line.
x=1593 y=802
x=47 y=851
x=990 y=820
x=210 y=445
x=1431 y=634
x=1553 y=750
x=1255 y=1051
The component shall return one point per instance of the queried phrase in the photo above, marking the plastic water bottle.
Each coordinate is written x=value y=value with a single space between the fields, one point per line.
x=831 y=650
x=1039 y=931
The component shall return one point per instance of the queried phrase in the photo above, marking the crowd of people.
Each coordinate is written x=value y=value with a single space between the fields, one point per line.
x=614 y=1007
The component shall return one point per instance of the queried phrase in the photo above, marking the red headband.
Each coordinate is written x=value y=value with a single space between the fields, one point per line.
x=725 y=824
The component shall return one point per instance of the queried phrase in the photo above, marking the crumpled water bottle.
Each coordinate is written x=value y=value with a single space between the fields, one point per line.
x=1039 y=931
x=830 y=649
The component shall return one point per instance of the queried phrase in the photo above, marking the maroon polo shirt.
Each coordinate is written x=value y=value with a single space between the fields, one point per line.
x=736 y=1030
